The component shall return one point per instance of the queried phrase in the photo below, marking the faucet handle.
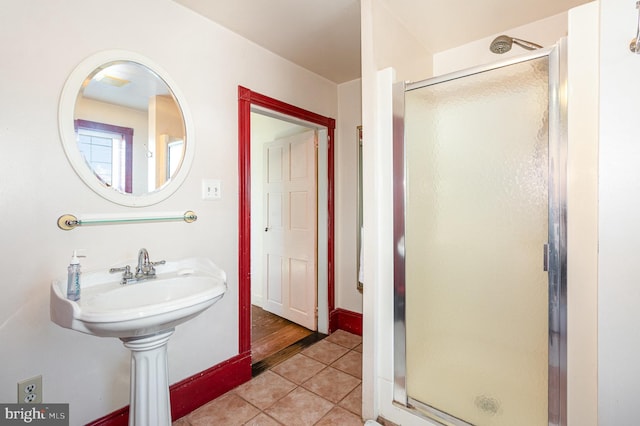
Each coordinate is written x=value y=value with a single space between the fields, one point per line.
x=126 y=269
x=151 y=270
x=127 y=275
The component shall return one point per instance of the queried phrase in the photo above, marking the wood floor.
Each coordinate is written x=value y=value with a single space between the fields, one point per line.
x=271 y=333
x=274 y=339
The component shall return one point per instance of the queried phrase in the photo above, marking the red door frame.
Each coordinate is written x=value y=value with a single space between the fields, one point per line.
x=247 y=98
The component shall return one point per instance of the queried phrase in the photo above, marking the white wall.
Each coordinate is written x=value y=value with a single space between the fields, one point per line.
x=346 y=194
x=544 y=32
x=378 y=332
x=37 y=185
x=369 y=111
x=619 y=229
x=582 y=223
x=385 y=43
x=396 y=47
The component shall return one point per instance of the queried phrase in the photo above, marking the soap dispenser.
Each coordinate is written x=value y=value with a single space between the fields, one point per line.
x=73 y=278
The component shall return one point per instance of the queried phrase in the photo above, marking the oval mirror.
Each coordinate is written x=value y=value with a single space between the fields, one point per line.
x=125 y=128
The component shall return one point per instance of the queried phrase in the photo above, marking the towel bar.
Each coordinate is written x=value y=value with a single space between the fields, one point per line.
x=68 y=222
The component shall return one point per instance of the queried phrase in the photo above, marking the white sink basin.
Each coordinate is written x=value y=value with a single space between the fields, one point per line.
x=180 y=291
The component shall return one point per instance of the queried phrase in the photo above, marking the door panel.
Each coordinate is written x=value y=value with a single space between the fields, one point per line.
x=274 y=281
x=299 y=214
x=291 y=228
x=299 y=296
x=274 y=210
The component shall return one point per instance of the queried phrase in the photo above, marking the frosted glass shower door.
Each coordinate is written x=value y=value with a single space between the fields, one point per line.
x=476 y=222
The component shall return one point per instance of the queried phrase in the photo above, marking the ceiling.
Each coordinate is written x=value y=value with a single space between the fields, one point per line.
x=323 y=36
x=124 y=83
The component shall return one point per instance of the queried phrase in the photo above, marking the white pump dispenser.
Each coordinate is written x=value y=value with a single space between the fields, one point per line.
x=73 y=278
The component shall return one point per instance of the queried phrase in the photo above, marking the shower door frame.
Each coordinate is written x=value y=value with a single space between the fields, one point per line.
x=556 y=253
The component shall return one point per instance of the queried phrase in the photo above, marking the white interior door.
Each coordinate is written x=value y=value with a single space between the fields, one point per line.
x=290 y=239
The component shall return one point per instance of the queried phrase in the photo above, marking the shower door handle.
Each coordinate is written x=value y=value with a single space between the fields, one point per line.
x=545 y=256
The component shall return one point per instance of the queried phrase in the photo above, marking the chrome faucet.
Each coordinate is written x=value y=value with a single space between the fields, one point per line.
x=144 y=268
x=144 y=271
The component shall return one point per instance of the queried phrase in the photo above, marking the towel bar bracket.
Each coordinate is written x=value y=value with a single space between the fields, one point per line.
x=634 y=46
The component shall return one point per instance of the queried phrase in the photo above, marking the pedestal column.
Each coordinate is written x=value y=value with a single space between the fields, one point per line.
x=149 y=396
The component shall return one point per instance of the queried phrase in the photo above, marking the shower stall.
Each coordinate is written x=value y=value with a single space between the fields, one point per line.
x=480 y=243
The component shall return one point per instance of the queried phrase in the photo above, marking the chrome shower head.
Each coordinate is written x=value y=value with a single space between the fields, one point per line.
x=503 y=44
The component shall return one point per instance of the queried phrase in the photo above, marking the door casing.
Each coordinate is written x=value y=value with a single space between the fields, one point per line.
x=248 y=99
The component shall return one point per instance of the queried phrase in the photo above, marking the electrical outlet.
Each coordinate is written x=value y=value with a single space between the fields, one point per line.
x=30 y=391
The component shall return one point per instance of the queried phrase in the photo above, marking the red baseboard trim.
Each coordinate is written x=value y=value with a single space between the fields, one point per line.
x=194 y=391
x=117 y=418
x=341 y=319
x=197 y=390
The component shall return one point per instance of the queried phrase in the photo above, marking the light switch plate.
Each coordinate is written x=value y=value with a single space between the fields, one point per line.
x=211 y=189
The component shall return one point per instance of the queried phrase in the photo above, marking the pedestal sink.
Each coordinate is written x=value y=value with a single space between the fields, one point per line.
x=143 y=315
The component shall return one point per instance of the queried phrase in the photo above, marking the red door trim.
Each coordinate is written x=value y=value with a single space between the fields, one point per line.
x=247 y=98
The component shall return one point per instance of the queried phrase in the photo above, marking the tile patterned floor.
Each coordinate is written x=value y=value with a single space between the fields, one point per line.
x=319 y=386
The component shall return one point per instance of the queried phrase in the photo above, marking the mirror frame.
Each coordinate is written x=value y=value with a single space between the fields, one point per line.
x=67 y=132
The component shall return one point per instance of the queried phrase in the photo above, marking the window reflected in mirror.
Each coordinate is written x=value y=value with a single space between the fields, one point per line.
x=149 y=152
x=107 y=150
x=174 y=156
